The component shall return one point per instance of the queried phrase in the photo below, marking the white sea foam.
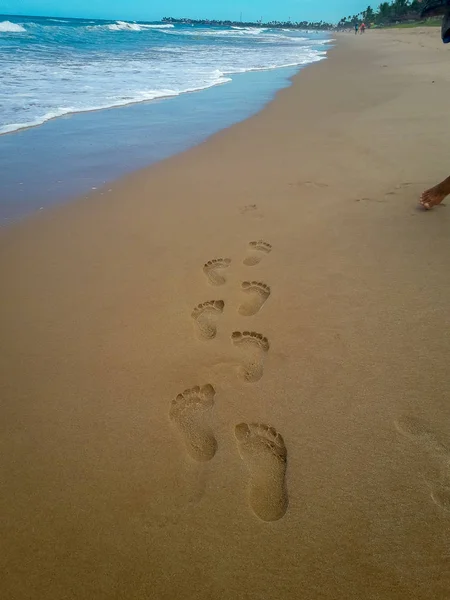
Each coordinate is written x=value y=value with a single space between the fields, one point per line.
x=162 y=26
x=233 y=32
x=125 y=26
x=251 y=30
x=307 y=59
x=142 y=96
x=95 y=68
x=8 y=27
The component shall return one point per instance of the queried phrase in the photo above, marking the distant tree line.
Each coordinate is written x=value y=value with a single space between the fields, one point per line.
x=271 y=24
x=388 y=13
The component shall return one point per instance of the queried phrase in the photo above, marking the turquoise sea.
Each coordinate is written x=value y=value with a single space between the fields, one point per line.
x=83 y=102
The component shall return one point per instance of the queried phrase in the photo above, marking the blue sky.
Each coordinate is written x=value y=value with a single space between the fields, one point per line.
x=152 y=10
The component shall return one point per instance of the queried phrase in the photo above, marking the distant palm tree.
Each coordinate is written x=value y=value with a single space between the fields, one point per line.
x=369 y=15
x=388 y=12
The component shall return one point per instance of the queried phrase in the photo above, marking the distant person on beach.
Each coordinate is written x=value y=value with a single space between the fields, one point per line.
x=362 y=29
x=356 y=28
x=433 y=8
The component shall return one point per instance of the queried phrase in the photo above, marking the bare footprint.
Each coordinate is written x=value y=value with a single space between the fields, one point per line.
x=256 y=252
x=420 y=433
x=254 y=346
x=316 y=184
x=205 y=316
x=212 y=266
x=248 y=208
x=189 y=412
x=263 y=450
x=258 y=293
x=313 y=184
x=251 y=210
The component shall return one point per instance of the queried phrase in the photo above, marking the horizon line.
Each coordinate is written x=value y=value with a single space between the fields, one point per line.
x=154 y=21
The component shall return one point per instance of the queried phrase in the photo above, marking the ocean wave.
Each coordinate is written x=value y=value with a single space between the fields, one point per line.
x=138 y=98
x=162 y=26
x=107 y=70
x=236 y=32
x=305 y=60
x=8 y=27
x=251 y=30
x=125 y=26
x=322 y=42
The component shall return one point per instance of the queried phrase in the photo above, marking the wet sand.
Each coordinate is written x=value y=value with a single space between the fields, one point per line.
x=290 y=439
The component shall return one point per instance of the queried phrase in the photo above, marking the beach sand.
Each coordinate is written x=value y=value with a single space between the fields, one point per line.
x=115 y=484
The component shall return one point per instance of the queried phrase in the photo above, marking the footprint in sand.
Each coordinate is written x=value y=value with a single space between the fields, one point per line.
x=251 y=210
x=256 y=252
x=189 y=412
x=254 y=347
x=420 y=433
x=205 y=316
x=263 y=450
x=212 y=266
x=248 y=208
x=258 y=293
x=313 y=184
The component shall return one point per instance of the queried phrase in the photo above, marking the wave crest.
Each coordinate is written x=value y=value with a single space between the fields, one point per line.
x=8 y=27
x=138 y=97
x=125 y=26
x=251 y=30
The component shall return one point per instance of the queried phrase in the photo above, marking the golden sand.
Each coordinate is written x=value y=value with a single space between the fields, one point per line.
x=275 y=425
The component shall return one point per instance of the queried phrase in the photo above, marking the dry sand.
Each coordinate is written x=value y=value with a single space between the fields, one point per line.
x=106 y=496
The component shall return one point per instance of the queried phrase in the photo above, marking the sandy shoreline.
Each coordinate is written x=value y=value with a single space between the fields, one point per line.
x=100 y=498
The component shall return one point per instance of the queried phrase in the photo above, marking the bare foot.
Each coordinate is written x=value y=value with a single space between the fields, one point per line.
x=434 y=196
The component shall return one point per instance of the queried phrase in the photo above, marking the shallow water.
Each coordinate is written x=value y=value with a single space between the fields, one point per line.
x=78 y=150
x=53 y=67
